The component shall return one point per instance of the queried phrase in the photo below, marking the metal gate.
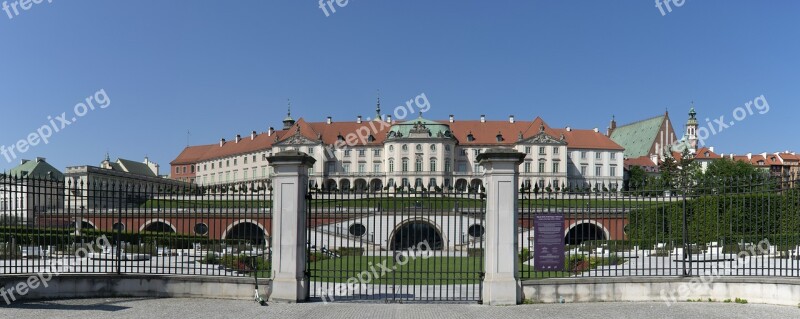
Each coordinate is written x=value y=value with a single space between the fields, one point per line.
x=395 y=246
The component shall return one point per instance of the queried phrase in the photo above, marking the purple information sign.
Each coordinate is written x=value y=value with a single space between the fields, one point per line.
x=548 y=242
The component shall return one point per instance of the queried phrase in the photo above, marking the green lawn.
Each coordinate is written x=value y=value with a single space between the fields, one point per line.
x=430 y=271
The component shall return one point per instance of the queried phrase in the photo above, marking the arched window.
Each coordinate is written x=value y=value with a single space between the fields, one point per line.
x=405 y=165
x=405 y=147
x=419 y=148
x=433 y=147
x=391 y=165
x=418 y=164
x=391 y=148
x=433 y=164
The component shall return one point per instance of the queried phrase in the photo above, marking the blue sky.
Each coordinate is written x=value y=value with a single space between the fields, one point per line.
x=218 y=68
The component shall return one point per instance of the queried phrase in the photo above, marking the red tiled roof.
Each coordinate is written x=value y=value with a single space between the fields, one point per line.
x=192 y=154
x=773 y=159
x=789 y=157
x=485 y=133
x=330 y=132
x=706 y=153
x=643 y=161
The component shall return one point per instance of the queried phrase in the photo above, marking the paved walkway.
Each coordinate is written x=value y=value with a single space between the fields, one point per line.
x=205 y=308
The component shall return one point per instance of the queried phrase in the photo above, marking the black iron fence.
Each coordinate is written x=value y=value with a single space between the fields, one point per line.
x=396 y=245
x=728 y=226
x=108 y=224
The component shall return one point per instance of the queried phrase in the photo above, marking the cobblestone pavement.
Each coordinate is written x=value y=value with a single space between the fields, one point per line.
x=208 y=308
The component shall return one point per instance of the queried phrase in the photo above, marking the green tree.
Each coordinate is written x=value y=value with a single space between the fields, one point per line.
x=669 y=170
x=726 y=176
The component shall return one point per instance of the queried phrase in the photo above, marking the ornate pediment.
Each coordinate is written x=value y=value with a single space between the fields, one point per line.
x=297 y=139
x=544 y=138
x=419 y=130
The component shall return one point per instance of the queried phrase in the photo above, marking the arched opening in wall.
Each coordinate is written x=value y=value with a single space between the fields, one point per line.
x=247 y=231
x=411 y=235
x=376 y=185
x=344 y=184
x=579 y=233
x=361 y=185
x=475 y=185
x=85 y=224
x=159 y=226
x=461 y=185
x=330 y=185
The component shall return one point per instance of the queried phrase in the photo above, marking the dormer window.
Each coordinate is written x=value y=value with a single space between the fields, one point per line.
x=340 y=137
x=499 y=137
x=470 y=137
x=371 y=138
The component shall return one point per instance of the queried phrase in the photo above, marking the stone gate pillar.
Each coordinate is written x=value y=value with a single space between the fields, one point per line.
x=289 y=229
x=501 y=285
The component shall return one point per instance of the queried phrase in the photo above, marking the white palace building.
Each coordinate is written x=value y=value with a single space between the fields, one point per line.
x=418 y=153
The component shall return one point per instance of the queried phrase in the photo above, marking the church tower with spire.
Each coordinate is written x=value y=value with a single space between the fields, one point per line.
x=691 y=130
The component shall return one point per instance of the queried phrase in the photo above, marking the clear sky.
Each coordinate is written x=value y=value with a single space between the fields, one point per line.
x=218 y=68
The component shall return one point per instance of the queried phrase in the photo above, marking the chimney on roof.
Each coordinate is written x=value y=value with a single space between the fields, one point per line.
x=389 y=119
x=511 y=119
x=711 y=148
x=569 y=129
x=271 y=131
x=221 y=142
x=252 y=135
x=596 y=130
x=358 y=119
x=238 y=138
x=23 y=161
x=452 y=118
x=749 y=156
x=40 y=160
x=330 y=120
x=483 y=118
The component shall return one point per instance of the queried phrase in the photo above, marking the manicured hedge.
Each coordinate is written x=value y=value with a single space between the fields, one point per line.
x=722 y=218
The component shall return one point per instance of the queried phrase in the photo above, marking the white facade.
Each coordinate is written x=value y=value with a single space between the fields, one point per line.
x=426 y=155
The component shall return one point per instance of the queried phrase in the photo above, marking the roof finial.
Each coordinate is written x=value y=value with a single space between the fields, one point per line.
x=108 y=158
x=289 y=108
